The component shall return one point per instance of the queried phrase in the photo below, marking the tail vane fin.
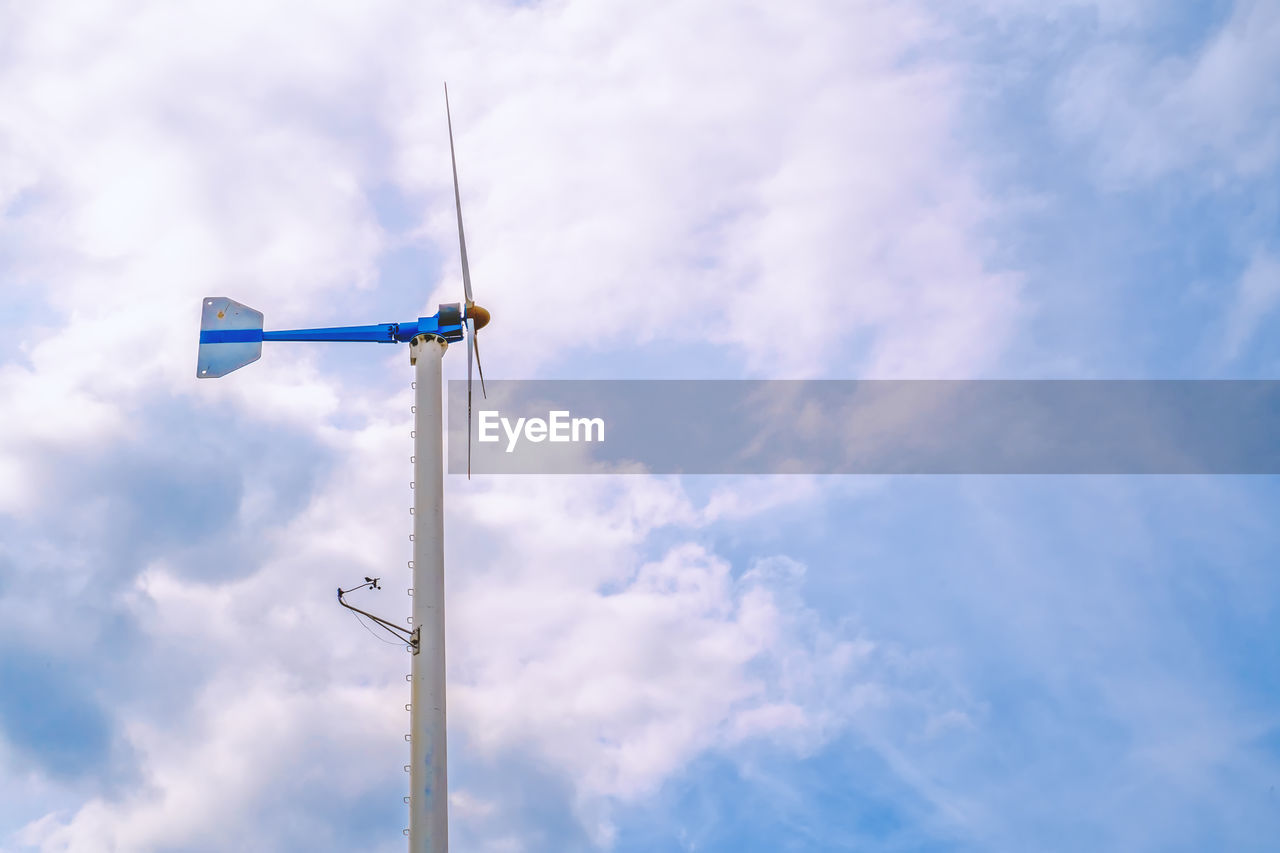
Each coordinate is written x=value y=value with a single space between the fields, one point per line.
x=230 y=337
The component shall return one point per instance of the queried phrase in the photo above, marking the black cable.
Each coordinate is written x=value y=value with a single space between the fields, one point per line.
x=371 y=634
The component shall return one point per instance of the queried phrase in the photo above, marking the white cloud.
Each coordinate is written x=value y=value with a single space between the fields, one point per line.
x=613 y=671
x=1257 y=295
x=686 y=170
x=777 y=184
x=621 y=689
x=788 y=183
x=1213 y=113
x=712 y=195
x=247 y=742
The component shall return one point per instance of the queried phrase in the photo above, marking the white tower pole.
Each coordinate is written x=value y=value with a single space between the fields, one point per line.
x=428 y=788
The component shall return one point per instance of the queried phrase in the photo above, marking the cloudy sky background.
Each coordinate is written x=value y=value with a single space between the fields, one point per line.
x=991 y=189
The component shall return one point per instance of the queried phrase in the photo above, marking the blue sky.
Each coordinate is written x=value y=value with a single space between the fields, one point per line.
x=1074 y=189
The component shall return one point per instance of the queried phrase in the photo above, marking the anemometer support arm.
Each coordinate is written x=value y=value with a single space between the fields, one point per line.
x=399 y=631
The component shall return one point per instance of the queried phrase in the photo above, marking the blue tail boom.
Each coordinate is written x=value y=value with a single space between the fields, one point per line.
x=231 y=334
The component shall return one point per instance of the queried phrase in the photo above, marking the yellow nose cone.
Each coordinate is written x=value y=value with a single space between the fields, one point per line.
x=480 y=315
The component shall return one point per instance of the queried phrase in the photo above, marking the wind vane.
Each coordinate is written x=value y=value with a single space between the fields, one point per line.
x=231 y=336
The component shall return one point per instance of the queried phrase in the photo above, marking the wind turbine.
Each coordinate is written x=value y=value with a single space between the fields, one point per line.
x=231 y=336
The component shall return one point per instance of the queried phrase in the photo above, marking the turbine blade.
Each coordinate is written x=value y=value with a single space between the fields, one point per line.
x=471 y=328
x=475 y=342
x=457 y=200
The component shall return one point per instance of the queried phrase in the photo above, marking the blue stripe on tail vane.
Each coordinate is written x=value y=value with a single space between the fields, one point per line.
x=231 y=334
